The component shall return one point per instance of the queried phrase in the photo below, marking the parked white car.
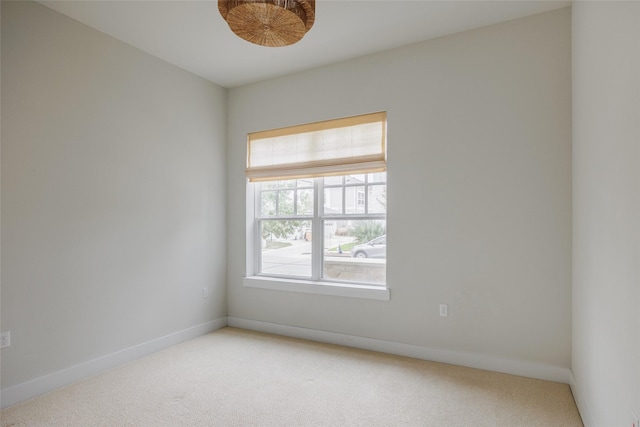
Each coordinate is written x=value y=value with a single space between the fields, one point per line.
x=376 y=248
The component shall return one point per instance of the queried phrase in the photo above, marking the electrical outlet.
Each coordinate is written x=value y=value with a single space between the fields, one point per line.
x=5 y=339
x=444 y=310
x=205 y=292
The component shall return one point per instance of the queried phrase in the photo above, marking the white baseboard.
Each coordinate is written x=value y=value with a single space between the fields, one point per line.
x=583 y=407
x=38 y=386
x=507 y=366
x=44 y=384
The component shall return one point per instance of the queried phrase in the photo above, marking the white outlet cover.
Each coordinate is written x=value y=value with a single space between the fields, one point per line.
x=444 y=310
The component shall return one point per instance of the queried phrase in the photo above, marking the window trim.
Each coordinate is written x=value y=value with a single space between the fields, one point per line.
x=341 y=289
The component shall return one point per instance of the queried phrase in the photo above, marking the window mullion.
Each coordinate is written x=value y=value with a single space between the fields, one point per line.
x=257 y=238
x=257 y=253
x=317 y=231
x=366 y=194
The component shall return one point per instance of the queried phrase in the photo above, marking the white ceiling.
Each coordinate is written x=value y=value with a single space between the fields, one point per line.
x=193 y=35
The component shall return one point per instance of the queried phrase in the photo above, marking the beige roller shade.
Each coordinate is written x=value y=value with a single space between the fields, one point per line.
x=334 y=147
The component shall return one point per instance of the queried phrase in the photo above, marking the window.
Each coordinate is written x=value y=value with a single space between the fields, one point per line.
x=318 y=229
x=321 y=202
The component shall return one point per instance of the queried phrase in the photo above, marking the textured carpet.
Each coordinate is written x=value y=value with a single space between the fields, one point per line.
x=233 y=377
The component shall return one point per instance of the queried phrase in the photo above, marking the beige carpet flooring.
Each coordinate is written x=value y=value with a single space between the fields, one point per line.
x=233 y=377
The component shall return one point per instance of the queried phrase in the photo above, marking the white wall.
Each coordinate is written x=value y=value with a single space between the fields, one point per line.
x=479 y=169
x=606 y=206
x=113 y=187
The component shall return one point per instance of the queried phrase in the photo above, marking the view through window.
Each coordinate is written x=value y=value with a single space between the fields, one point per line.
x=330 y=228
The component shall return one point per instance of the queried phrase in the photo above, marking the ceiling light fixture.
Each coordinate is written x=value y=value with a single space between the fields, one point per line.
x=270 y=23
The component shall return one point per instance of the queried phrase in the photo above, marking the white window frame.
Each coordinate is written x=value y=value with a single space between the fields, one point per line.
x=316 y=284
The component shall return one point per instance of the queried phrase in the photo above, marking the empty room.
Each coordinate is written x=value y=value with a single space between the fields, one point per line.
x=328 y=213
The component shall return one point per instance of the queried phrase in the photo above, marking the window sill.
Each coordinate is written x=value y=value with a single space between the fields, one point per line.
x=319 y=288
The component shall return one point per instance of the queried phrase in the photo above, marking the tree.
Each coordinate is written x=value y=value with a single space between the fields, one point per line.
x=280 y=229
x=382 y=198
x=365 y=231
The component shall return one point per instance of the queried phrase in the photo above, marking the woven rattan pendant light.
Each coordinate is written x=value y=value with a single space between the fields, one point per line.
x=270 y=23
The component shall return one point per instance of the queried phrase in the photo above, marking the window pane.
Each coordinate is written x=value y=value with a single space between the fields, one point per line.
x=332 y=200
x=354 y=200
x=268 y=203
x=285 y=202
x=286 y=247
x=305 y=202
x=355 y=251
x=377 y=199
